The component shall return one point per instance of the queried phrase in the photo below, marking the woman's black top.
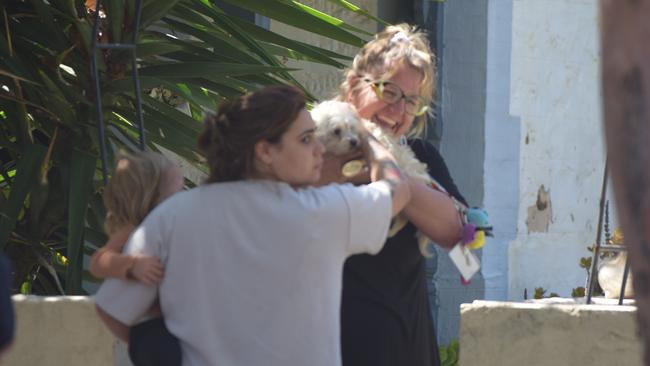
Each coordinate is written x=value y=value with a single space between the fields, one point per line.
x=385 y=314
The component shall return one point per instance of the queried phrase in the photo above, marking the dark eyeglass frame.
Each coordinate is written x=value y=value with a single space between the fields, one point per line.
x=378 y=86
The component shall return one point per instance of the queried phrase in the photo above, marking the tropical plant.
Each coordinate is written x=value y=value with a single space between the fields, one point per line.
x=51 y=212
x=449 y=354
x=540 y=293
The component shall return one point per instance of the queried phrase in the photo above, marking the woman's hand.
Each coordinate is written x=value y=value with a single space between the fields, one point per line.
x=332 y=170
x=147 y=270
x=383 y=167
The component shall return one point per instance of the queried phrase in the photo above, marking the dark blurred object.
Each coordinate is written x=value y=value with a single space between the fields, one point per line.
x=625 y=70
x=7 y=322
x=151 y=344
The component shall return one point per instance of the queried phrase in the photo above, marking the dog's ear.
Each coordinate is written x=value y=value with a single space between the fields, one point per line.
x=322 y=114
x=317 y=114
x=354 y=110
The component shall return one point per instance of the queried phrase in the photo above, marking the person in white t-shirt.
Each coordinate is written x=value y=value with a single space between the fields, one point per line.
x=254 y=258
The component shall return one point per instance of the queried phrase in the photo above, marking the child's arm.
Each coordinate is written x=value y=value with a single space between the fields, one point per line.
x=108 y=261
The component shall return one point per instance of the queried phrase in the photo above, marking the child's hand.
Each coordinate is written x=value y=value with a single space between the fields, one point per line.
x=147 y=270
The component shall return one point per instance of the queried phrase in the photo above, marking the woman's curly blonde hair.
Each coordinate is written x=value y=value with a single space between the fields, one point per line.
x=135 y=188
x=396 y=45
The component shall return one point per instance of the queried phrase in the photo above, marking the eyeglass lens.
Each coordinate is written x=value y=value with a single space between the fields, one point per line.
x=391 y=93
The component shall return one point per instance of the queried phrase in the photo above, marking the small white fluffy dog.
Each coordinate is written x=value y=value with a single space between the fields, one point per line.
x=336 y=127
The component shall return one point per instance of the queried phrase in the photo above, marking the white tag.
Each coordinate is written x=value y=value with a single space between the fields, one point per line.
x=466 y=262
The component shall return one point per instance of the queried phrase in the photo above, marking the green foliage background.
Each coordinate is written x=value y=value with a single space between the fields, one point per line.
x=51 y=212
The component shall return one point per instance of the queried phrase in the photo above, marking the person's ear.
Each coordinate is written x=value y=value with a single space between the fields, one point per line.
x=263 y=152
x=353 y=81
x=353 y=90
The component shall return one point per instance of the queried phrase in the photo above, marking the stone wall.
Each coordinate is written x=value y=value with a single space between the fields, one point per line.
x=533 y=334
x=61 y=330
x=65 y=330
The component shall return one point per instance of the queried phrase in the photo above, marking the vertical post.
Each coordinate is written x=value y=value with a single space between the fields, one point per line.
x=134 y=73
x=626 y=272
x=98 y=94
x=591 y=279
x=95 y=46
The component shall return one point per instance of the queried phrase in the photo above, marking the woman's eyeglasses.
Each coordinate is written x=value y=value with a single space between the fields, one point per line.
x=391 y=93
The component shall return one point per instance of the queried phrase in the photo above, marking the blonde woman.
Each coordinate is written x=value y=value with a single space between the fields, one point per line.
x=386 y=319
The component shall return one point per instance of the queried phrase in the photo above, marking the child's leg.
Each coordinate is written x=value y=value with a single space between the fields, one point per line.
x=151 y=344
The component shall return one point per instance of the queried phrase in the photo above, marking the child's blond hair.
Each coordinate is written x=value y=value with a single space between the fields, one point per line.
x=135 y=188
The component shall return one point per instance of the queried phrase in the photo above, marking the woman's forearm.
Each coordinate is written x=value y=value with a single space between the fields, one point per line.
x=434 y=214
x=382 y=166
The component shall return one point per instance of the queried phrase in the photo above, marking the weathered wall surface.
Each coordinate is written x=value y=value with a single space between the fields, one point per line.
x=515 y=334
x=61 y=330
x=555 y=93
x=65 y=330
x=322 y=80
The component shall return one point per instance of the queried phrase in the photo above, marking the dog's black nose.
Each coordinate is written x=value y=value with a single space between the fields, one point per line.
x=354 y=142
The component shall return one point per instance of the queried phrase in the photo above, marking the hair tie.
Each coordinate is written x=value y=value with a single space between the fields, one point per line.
x=400 y=37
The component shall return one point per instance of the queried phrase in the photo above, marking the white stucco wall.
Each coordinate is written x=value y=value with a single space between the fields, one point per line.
x=501 y=164
x=555 y=94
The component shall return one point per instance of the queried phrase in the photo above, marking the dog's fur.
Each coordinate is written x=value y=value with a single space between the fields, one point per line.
x=336 y=127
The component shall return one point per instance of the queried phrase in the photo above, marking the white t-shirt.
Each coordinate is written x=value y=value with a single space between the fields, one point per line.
x=253 y=269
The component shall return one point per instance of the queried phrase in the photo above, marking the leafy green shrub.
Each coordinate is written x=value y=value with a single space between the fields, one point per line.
x=449 y=354
x=51 y=212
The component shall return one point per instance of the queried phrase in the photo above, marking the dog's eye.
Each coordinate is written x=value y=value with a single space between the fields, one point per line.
x=337 y=131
